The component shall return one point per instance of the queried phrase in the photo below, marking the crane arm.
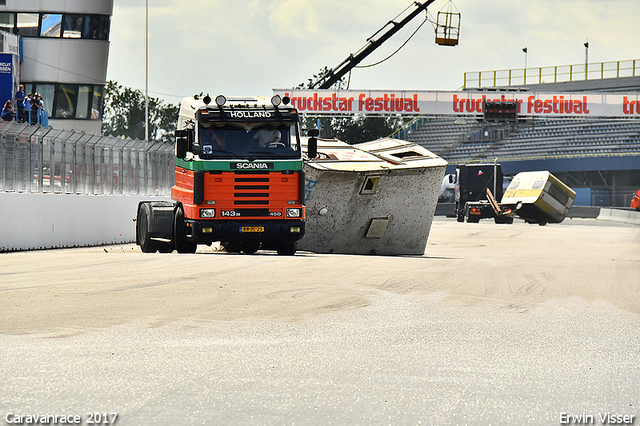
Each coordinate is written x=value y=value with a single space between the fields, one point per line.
x=330 y=77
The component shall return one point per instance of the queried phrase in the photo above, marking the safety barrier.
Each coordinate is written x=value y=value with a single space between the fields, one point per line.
x=37 y=159
x=625 y=216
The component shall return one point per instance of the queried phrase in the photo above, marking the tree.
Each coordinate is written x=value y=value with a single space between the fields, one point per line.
x=124 y=114
x=354 y=128
x=359 y=128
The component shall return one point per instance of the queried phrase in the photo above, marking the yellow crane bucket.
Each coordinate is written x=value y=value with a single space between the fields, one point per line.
x=448 y=25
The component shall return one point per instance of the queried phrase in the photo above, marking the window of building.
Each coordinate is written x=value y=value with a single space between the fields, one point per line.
x=84 y=97
x=55 y=25
x=105 y=23
x=27 y=24
x=28 y=88
x=96 y=27
x=47 y=92
x=91 y=26
x=7 y=22
x=96 y=106
x=51 y=25
x=65 y=102
x=73 y=25
x=70 y=101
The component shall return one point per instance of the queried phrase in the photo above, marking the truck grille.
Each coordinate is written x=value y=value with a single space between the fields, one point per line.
x=248 y=177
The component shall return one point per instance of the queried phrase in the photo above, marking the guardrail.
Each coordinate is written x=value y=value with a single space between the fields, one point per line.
x=37 y=159
x=405 y=130
x=554 y=74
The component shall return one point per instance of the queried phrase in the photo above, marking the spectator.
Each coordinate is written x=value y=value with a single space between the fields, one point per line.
x=36 y=108
x=20 y=102
x=27 y=108
x=7 y=113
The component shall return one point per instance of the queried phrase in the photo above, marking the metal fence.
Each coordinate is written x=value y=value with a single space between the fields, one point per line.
x=553 y=74
x=46 y=160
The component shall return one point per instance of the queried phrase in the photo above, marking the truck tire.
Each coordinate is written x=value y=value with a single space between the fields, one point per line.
x=250 y=247
x=181 y=243
x=504 y=220
x=165 y=247
x=287 y=249
x=147 y=245
x=459 y=213
x=232 y=247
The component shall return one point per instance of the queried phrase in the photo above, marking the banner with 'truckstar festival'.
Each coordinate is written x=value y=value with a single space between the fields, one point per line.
x=341 y=102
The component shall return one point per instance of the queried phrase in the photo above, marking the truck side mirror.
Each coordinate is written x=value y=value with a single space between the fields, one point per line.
x=312 y=144
x=182 y=146
x=312 y=147
x=184 y=142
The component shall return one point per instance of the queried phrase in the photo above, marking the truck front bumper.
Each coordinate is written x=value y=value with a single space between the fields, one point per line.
x=269 y=233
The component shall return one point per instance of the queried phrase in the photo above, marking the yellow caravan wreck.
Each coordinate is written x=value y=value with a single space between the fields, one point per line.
x=538 y=197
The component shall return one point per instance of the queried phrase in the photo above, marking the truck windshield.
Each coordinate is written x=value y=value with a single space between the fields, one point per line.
x=249 y=140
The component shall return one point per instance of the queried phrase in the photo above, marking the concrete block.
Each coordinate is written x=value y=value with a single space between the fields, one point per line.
x=359 y=203
x=620 y=215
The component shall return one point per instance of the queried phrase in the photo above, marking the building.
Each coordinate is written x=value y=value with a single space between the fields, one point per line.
x=64 y=52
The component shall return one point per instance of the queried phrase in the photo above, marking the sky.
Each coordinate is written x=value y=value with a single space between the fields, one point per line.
x=250 y=47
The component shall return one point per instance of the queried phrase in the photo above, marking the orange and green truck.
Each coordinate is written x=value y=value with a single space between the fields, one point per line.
x=238 y=179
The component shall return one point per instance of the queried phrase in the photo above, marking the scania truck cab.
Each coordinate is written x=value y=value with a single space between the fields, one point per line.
x=238 y=179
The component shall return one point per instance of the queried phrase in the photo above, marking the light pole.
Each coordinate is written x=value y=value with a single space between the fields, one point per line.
x=525 y=50
x=146 y=73
x=586 y=60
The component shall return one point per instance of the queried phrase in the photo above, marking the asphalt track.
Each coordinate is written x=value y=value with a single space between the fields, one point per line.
x=496 y=324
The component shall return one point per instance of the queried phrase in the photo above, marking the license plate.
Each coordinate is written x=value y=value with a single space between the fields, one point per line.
x=252 y=229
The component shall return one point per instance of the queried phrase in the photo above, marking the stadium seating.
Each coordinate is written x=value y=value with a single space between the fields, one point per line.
x=542 y=138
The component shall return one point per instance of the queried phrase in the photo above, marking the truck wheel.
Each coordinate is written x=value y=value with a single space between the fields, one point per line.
x=250 y=247
x=165 y=247
x=288 y=249
x=504 y=219
x=147 y=245
x=180 y=233
x=231 y=247
x=459 y=214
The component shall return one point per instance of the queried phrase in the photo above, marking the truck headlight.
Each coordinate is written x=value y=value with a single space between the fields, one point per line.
x=207 y=213
x=293 y=213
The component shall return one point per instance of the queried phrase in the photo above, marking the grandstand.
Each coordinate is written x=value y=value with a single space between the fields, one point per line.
x=599 y=157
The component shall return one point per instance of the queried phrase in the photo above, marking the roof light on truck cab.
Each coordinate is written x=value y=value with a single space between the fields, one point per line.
x=206 y=100
x=277 y=100
x=221 y=100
